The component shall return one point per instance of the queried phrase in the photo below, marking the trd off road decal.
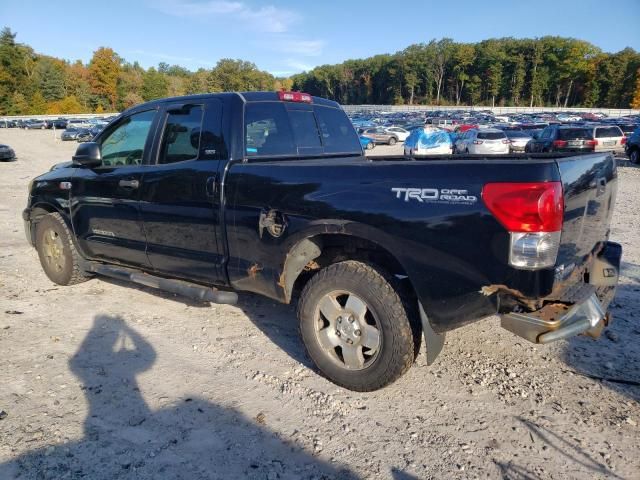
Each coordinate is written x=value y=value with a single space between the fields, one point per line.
x=435 y=195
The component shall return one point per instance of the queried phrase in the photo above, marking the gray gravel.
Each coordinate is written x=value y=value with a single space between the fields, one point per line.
x=105 y=381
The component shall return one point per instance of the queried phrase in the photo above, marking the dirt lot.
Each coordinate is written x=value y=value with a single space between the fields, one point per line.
x=104 y=381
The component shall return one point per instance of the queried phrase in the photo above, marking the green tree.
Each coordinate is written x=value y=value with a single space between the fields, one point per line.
x=154 y=85
x=37 y=104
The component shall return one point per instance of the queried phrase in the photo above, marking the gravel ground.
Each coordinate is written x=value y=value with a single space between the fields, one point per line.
x=103 y=380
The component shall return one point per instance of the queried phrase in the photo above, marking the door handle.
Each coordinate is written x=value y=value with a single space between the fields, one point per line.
x=212 y=185
x=129 y=183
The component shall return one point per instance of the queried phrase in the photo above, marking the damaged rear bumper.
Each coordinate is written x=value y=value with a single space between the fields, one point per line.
x=583 y=310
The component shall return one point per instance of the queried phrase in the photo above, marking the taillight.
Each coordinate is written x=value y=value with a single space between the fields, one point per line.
x=533 y=214
x=559 y=143
x=477 y=142
x=591 y=143
x=623 y=141
x=506 y=141
x=294 y=97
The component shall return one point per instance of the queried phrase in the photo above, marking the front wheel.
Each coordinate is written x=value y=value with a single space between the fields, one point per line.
x=355 y=326
x=634 y=156
x=58 y=255
x=370 y=145
x=392 y=141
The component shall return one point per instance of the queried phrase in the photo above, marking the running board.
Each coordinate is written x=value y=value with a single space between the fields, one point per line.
x=179 y=287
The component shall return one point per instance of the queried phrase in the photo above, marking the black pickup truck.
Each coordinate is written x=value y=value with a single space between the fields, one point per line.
x=269 y=192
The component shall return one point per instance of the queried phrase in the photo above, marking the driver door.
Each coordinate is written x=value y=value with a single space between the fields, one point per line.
x=105 y=209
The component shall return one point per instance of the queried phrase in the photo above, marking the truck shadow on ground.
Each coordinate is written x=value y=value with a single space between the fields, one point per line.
x=124 y=438
x=614 y=360
x=276 y=320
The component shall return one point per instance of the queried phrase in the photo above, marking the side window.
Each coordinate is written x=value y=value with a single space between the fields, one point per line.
x=125 y=144
x=267 y=130
x=181 y=136
x=546 y=133
x=338 y=135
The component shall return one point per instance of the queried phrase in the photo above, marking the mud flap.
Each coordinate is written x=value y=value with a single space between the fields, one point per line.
x=433 y=341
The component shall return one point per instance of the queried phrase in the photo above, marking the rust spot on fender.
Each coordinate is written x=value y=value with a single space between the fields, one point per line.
x=253 y=270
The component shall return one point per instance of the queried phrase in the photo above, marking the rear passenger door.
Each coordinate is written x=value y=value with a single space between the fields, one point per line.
x=179 y=201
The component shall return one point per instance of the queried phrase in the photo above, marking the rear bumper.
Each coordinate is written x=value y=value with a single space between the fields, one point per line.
x=583 y=312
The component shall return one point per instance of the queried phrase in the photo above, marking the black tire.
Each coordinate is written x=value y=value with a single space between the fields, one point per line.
x=63 y=267
x=634 y=156
x=393 y=141
x=396 y=345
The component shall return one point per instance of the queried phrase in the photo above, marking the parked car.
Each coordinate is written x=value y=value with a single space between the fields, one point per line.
x=628 y=128
x=632 y=147
x=59 y=123
x=379 y=135
x=35 y=125
x=559 y=138
x=7 y=153
x=608 y=138
x=489 y=141
x=399 y=132
x=378 y=251
x=367 y=143
x=518 y=140
x=7 y=123
x=87 y=134
x=78 y=123
x=428 y=140
x=71 y=133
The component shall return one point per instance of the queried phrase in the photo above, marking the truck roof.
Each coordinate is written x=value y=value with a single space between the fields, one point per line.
x=244 y=96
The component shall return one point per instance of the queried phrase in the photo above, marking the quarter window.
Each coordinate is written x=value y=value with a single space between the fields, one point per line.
x=125 y=145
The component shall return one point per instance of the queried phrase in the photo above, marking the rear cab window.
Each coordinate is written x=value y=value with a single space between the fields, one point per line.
x=293 y=129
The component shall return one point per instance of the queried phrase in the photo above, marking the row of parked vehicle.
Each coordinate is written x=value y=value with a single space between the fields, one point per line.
x=57 y=123
x=485 y=134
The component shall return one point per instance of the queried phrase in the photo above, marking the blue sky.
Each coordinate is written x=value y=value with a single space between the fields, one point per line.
x=285 y=37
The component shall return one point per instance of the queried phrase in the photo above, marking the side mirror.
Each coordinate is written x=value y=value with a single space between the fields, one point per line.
x=88 y=154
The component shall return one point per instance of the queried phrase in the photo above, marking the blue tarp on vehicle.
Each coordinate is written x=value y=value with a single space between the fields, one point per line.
x=421 y=138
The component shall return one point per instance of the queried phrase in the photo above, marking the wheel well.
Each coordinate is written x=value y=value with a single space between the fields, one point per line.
x=37 y=212
x=40 y=211
x=336 y=248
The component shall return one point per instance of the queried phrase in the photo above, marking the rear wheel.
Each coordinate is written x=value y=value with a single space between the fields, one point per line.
x=634 y=156
x=355 y=326
x=58 y=255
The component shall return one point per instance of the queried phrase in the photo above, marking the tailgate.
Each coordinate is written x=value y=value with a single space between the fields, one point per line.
x=590 y=185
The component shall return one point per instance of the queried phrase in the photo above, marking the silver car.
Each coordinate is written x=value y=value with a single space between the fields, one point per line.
x=609 y=138
x=518 y=140
x=489 y=141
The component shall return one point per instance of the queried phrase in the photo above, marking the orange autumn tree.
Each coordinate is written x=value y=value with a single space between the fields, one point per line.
x=104 y=70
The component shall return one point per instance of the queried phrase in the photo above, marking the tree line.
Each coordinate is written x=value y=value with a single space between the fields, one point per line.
x=31 y=83
x=549 y=71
